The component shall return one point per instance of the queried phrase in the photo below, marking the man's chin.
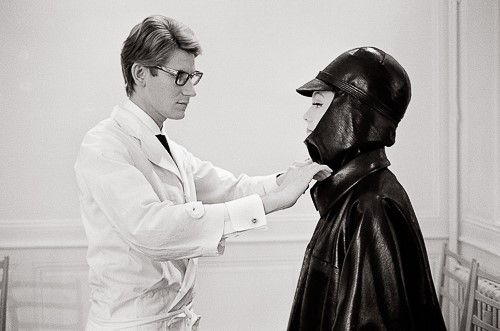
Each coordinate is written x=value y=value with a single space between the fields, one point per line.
x=178 y=116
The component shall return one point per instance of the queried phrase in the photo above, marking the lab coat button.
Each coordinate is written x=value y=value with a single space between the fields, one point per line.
x=195 y=210
x=254 y=220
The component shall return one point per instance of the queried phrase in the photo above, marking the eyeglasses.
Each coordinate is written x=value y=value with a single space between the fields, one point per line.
x=181 y=77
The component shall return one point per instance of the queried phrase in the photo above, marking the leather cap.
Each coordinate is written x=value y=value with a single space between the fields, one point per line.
x=370 y=75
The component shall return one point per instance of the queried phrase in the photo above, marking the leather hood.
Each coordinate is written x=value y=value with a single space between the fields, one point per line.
x=372 y=92
x=347 y=129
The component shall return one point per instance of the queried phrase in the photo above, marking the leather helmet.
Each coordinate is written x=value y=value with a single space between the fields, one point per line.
x=371 y=76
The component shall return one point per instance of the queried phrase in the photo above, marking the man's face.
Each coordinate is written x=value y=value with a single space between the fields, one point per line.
x=166 y=99
x=320 y=102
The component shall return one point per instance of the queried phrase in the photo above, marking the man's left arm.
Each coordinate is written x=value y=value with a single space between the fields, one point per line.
x=241 y=195
x=257 y=195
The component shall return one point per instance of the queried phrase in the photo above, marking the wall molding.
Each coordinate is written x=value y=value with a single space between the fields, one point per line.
x=478 y=234
x=481 y=222
x=69 y=233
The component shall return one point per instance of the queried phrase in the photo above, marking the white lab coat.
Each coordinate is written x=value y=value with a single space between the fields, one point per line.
x=148 y=217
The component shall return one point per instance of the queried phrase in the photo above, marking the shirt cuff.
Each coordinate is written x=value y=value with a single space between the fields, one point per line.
x=244 y=214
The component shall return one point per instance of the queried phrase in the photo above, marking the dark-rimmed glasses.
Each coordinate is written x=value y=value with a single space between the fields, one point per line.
x=181 y=77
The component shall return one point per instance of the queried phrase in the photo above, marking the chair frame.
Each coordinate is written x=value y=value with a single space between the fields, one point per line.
x=445 y=272
x=470 y=319
x=4 y=265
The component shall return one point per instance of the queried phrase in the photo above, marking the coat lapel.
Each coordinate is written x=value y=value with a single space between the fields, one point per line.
x=151 y=146
x=178 y=160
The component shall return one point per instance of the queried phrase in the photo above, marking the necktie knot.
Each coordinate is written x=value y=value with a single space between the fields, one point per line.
x=163 y=141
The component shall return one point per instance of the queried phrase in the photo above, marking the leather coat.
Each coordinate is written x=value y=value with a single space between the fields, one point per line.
x=366 y=267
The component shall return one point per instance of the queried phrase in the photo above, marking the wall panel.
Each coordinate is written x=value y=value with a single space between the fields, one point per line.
x=479 y=72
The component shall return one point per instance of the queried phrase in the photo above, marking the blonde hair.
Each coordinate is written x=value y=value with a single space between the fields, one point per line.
x=152 y=43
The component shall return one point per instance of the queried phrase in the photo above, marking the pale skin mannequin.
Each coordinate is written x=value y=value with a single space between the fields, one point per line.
x=320 y=102
x=162 y=99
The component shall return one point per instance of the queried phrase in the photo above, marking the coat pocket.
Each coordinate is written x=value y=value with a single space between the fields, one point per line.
x=319 y=296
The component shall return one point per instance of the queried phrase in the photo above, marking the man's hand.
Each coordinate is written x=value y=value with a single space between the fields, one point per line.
x=323 y=174
x=293 y=183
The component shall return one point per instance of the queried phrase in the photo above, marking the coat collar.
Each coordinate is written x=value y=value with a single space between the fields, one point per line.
x=327 y=192
x=135 y=122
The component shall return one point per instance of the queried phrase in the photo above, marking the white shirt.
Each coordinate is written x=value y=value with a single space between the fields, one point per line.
x=149 y=215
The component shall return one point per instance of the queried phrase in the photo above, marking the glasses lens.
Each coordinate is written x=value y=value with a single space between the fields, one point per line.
x=182 y=78
x=196 y=77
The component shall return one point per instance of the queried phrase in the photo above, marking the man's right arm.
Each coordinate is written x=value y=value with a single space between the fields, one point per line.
x=114 y=190
x=110 y=184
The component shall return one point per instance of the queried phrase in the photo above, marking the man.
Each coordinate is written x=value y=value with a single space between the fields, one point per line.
x=366 y=266
x=150 y=207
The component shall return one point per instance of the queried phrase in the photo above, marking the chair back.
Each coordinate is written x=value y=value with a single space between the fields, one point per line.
x=483 y=309
x=453 y=280
x=4 y=272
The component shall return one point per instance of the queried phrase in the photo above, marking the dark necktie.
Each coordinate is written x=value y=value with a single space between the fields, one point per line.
x=164 y=142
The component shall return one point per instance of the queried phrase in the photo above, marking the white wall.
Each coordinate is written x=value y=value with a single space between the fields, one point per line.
x=479 y=105
x=61 y=74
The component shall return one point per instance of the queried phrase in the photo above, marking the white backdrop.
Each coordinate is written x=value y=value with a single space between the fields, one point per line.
x=60 y=74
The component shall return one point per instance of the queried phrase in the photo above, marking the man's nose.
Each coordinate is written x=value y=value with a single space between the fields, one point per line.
x=188 y=89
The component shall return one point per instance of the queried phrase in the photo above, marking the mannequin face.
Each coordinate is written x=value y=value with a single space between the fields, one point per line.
x=320 y=102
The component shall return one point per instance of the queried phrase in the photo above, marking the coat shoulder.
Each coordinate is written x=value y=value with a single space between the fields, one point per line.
x=104 y=139
x=382 y=194
x=378 y=188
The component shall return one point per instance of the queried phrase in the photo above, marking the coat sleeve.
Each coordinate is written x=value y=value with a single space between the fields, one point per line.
x=215 y=185
x=110 y=184
x=373 y=291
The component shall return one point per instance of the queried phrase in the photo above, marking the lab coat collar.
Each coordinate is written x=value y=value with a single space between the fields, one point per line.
x=143 y=117
x=138 y=124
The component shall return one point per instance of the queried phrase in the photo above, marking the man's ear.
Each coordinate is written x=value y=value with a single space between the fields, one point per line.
x=139 y=73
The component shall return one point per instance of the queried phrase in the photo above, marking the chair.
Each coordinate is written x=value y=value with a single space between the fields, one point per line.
x=4 y=267
x=453 y=281
x=483 y=308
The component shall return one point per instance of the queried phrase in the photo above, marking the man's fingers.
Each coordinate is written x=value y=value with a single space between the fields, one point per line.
x=301 y=163
x=322 y=175
x=316 y=168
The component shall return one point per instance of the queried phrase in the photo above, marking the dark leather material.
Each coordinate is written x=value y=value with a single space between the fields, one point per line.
x=326 y=193
x=366 y=267
x=371 y=76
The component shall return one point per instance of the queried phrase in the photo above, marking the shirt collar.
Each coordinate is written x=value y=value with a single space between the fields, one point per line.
x=142 y=116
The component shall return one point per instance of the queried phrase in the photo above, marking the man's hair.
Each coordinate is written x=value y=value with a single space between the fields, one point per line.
x=152 y=42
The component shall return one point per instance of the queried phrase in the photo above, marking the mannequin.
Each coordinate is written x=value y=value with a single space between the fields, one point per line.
x=366 y=267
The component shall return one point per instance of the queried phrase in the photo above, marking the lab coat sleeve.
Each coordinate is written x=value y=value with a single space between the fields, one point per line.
x=216 y=185
x=158 y=229
x=244 y=205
